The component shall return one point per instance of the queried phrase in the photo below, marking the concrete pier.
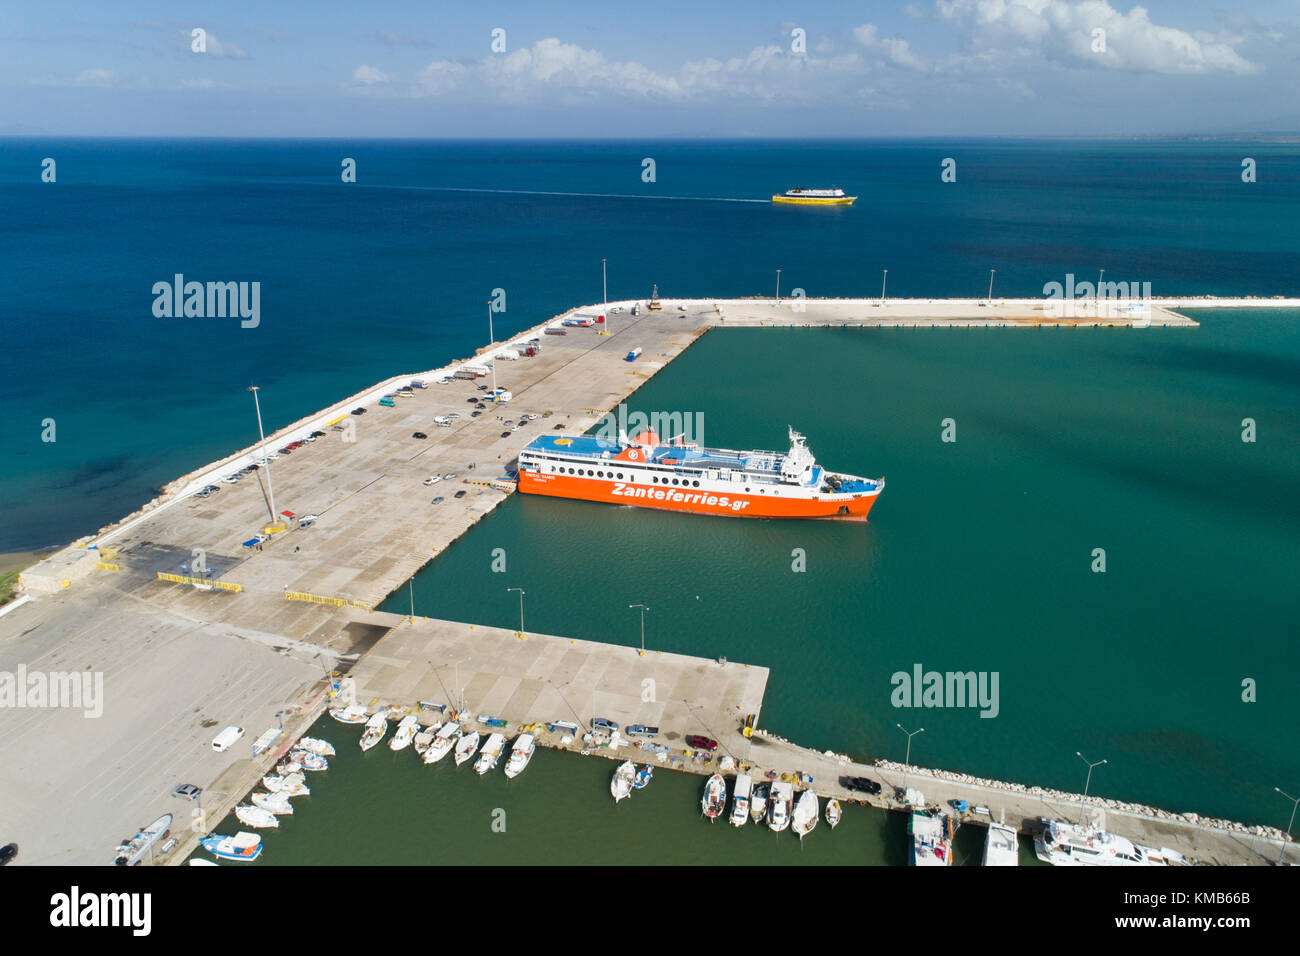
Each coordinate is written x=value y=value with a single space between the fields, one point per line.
x=179 y=663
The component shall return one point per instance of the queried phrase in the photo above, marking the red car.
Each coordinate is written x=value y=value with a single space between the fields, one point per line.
x=701 y=743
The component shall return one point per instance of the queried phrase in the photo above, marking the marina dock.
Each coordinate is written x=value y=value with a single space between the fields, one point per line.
x=182 y=658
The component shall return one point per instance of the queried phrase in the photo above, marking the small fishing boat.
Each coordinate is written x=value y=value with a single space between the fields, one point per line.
x=287 y=766
x=315 y=745
x=1001 y=846
x=132 y=851
x=490 y=754
x=779 y=804
x=442 y=742
x=740 y=796
x=758 y=802
x=465 y=747
x=290 y=786
x=256 y=816
x=520 y=755
x=310 y=761
x=715 y=797
x=490 y=721
x=642 y=777
x=833 y=814
x=424 y=738
x=804 y=818
x=621 y=785
x=405 y=732
x=376 y=727
x=242 y=847
x=275 y=802
x=351 y=714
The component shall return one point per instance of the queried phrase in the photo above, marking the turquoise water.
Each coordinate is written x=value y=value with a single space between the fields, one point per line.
x=978 y=555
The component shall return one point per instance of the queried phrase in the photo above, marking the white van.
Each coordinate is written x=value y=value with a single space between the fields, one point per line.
x=224 y=740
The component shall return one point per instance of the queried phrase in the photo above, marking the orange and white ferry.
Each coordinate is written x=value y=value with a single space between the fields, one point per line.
x=685 y=477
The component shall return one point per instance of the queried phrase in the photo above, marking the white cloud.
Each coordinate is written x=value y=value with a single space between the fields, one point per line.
x=95 y=78
x=895 y=49
x=1063 y=30
x=370 y=76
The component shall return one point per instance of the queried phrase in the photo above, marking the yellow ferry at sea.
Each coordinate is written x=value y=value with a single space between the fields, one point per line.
x=815 y=197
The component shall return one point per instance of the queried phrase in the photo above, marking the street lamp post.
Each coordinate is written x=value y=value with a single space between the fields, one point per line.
x=991 y=271
x=270 y=489
x=1295 y=801
x=1099 y=278
x=778 y=286
x=1087 y=782
x=492 y=345
x=643 y=610
x=521 y=608
x=907 y=761
x=883 y=277
x=604 y=293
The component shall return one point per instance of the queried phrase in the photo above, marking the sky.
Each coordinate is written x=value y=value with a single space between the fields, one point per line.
x=665 y=68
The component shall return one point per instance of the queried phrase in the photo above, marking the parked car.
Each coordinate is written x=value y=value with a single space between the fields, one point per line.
x=437 y=500
x=559 y=426
x=318 y=434
x=432 y=480
x=449 y=475
x=480 y=405
x=187 y=791
x=471 y=399
x=860 y=785
x=701 y=743
x=505 y=434
x=419 y=435
x=482 y=388
x=232 y=478
x=601 y=723
x=387 y=402
x=475 y=414
x=358 y=411
x=308 y=518
x=460 y=494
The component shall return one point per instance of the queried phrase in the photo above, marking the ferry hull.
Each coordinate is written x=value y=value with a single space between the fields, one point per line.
x=674 y=499
x=814 y=201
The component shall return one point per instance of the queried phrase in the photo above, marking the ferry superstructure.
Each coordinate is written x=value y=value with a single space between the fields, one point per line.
x=686 y=477
x=815 y=197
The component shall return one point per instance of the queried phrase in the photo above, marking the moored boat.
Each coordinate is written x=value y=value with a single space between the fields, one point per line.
x=1076 y=844
x=132 y=851
x=642 y=778
x=275 y=802
x=291 y=786
x=621 y=784
x=310 y=761
x=489 y=721
x=351 y=714
x=490 y=754
x=804 y=819
x=758 y=802
x=715 y=797
x=287 y=766
x=243 y=847
x=376 y=727
x=833 y=813
x=424 y=738
x=405 y=732
x=255 y=816
x=1001 y=846
x=780 y=802
x=317 y=746
x=466 y=746
x=442 y=743
x=932 y=834
x=740 y=798
x=520 y=755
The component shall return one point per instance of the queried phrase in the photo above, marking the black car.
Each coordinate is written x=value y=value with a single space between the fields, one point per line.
x=860 y=785
x=460 y=494
x=358 y=411
x=318 y=434
x=480 y=405
x=471 y=399
x=8 y=852
x=561 y=425
x=419 y=435
x=505 y=434
x=475 y=414
x=482 y=388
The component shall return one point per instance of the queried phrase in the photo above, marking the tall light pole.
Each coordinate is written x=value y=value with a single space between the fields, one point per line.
x=1294 y=803
x=270 y=489
x=778 y=286
x=1099 y=278
x=521 y=608
x=908 y=759
x=991 y=271
x=491 y=347
x=643 y=610
x=1087 y=782
x=604 y=293
x=884 y=276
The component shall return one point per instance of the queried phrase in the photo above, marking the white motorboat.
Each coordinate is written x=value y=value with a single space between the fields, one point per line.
x=1001 y=846
x=243 y=847
x=465 y=747
x=932 y=834
x=715 y=797
x=405 y=732
x=741 y=794
x=376 y=727
x=490 y=754
x=806 y=811
x=758 y=802
x=780 y=802
x=310 y=761
x=275 y=802
x=287 y=766
x=317 y=746
x=833 y=813
x=442 y=743
x=290 y=786
x=256 y=816
x=132 y=851
x=621 y=785
x=1076 y=844
x=424 y=738
x=351 y=714
x=520 y=755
